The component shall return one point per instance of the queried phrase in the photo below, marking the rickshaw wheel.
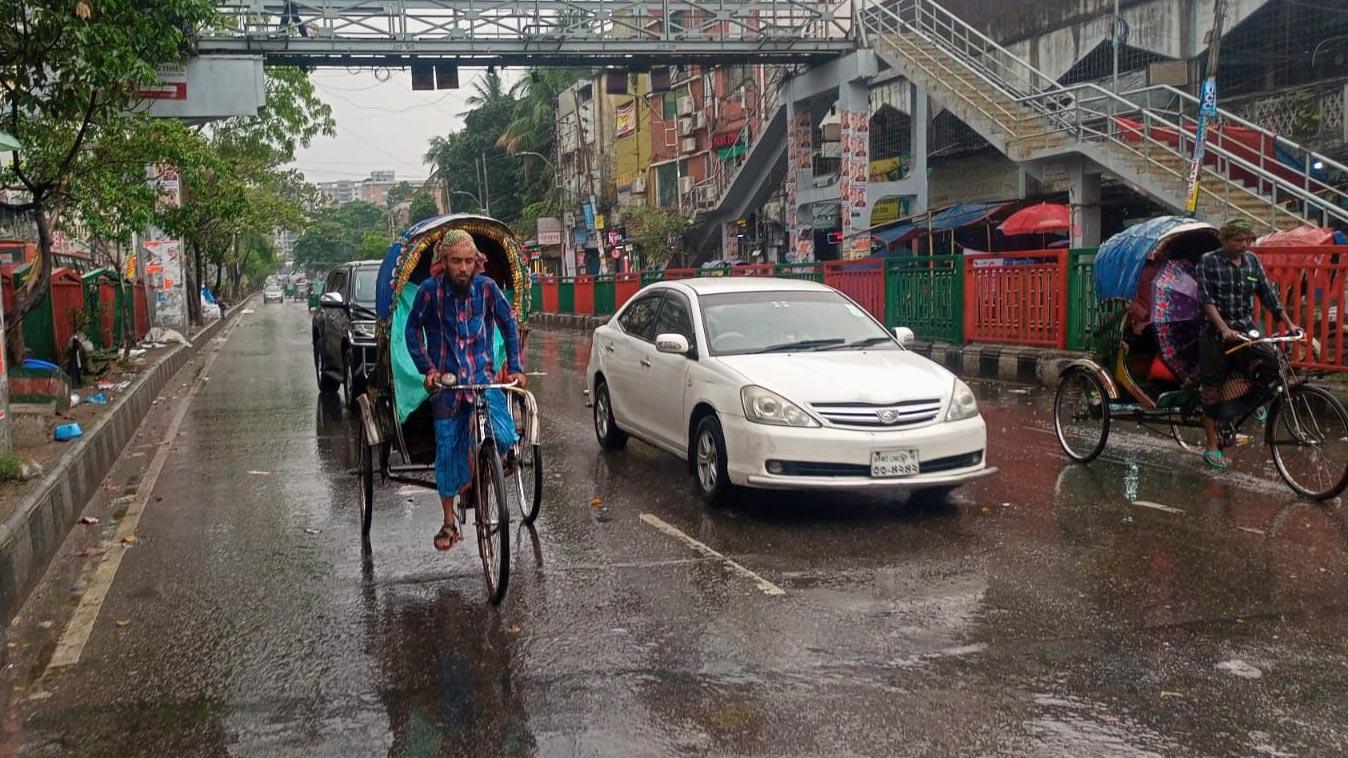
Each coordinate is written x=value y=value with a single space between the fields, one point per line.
x=1081 y=415
x=366 y=482
x=1308 y=436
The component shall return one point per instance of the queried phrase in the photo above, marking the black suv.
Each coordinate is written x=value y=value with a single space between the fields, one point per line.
x=343 y=327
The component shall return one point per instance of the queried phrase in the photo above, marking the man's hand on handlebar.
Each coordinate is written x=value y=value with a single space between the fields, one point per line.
x=1231 y=335
x=519 y=380
x=431 y=381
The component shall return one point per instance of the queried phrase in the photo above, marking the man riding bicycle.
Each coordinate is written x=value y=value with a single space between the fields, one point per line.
x=459 y=310
x=1228 y=280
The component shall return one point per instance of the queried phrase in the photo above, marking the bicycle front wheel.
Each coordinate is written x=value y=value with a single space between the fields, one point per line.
x=1308 y=436
x=529 y=481
x=492 y=515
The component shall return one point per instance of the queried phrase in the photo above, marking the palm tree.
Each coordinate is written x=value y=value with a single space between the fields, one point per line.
x=532 y=122
x=488 y=91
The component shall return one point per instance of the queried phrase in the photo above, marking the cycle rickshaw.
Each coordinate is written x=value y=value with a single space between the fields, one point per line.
x=396 y=434
x=1146 y=363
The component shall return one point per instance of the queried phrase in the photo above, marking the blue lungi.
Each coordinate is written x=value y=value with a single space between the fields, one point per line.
x=454 y=442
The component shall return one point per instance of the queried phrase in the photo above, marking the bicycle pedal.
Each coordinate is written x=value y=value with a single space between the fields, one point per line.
x=1242 y=440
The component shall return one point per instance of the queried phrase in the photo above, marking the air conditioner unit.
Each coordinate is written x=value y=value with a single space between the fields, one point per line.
x=686 y=126
x=688 y=144
x=700 y=120
x=685 y=106
x=639 y=185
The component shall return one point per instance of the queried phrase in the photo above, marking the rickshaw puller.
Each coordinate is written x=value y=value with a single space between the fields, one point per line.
x=459 y=310
x=1228 y=280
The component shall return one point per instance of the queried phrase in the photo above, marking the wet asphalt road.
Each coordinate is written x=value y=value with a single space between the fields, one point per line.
x=1041 y=612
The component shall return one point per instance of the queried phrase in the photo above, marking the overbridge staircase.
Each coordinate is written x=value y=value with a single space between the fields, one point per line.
x=1144 y=137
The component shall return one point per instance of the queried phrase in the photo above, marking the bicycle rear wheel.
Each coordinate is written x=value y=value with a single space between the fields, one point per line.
x=492 y=517
x=529 y=481
x=366 y=471
x=1308 y=435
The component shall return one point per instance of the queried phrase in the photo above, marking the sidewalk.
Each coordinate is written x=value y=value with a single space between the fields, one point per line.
x=34 y=529
x=1013 y=363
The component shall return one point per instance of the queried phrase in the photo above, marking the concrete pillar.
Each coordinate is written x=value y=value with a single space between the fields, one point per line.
x=855 y=212
x=1084 y=195
x=800 y=233
x=162 y=256
x=919 y=120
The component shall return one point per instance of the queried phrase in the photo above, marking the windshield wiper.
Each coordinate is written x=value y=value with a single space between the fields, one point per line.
x=787 y=347
x=868 y=342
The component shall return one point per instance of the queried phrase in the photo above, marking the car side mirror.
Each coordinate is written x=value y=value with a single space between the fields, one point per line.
x=672 y=343
x=332 y=300
x=904 y=335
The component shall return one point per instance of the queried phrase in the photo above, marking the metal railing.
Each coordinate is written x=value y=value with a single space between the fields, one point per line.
x=1090 y=113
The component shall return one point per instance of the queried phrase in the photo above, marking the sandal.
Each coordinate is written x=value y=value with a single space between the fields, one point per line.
x=1215 y=459
x=448 y=536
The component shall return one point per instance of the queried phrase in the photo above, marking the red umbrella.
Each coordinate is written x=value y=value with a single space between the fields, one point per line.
x=1044 y=218
x=1301 y=236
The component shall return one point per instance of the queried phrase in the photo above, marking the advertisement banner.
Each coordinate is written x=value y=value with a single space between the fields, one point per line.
x=626 y=119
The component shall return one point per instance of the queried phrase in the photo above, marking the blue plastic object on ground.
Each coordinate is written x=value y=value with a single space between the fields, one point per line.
x=99 y=399
x=68 y=432
x=40 y=364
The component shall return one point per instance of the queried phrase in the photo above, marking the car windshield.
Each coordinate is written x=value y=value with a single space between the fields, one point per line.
x=363 y=294
x=743 y=323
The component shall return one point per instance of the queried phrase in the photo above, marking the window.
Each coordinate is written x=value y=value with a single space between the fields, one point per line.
x=639 y=317
x=335 y=280
x=674 y=319
x=803 y=321
x=362 y=292
x=669 y=105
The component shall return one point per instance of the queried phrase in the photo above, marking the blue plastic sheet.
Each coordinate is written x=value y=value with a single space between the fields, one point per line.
x=1119 y=262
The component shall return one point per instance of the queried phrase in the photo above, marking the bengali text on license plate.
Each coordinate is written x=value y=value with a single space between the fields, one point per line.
x=893 y=463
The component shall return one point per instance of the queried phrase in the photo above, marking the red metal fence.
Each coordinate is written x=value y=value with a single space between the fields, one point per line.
x=1310 y=282
x=1016 y=298
x=625 y=287
x=550 y=299
x=107 y=311
x=585 y=295
x=67 y=305
x=863 y=281
x=142 y=306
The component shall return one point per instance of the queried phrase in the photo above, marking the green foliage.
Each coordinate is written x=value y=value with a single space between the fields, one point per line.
x=338 y=234
x=69 y=77
x=422 y=208
x=372 y=246
x=400 y=192
x=656 y=233
x=11 y=467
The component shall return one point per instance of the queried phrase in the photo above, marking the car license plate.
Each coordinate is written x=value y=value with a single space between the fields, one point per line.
x=890 y=463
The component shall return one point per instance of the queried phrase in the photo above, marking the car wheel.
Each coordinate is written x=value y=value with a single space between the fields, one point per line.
x=353 y=384
x=325 y=382
x=605 y=427
x=709 y=461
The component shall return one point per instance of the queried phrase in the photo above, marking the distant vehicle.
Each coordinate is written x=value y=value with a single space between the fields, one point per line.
x=273 y=294
x=343 y=329
x=781 y=384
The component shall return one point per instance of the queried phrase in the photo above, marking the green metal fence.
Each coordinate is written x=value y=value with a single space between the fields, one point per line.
x=926 y=294
x=651 y=277
x=605 y=295
x=812 y=271
x=535 y=298
x=1089 y=322
x=566 y=295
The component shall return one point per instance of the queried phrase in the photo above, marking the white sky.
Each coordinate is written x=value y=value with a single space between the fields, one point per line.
x=382 y=125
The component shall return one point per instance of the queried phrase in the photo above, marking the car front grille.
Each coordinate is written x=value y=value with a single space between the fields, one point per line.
x=879 y=415
x=934 y=466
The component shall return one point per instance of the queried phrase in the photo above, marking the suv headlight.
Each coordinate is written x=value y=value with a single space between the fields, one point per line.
x=766 y=407
x=362 y=329
x=963 y=404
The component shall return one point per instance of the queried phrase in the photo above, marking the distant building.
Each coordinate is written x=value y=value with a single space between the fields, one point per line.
x=340 y=192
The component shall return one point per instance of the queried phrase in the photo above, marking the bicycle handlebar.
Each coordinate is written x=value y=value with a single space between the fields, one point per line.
x=451 y=385
x=1298 y=336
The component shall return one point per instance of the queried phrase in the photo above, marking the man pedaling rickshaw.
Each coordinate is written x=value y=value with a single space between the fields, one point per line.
x=1228 y=280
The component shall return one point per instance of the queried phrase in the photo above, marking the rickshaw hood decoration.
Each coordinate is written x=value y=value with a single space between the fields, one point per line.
x=404 y=255
x=1121 y=258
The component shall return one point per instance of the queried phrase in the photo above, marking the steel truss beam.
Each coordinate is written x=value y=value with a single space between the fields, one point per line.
x=533 y=32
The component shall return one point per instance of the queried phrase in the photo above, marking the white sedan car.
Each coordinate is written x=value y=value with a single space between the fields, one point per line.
x=781 y=384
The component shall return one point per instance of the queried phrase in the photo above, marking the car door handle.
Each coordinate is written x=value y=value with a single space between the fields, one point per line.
x=608 y=348
x=646 y=362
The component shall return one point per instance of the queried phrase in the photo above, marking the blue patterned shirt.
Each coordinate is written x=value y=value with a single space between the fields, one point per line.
x=459 y=329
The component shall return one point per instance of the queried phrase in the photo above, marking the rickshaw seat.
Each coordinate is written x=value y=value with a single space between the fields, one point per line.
x=1159 y=372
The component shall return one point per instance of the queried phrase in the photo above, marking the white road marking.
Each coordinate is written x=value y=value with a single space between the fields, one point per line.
x=1157 y=506
x=81 y=627
x=767 y=588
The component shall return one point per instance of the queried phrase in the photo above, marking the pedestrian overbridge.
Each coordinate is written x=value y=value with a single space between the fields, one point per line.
x=629 y=33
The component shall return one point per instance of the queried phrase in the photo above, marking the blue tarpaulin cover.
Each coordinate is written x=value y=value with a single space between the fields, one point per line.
x=1119 y=262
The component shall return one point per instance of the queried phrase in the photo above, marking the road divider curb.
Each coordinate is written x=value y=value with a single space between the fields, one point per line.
x=31 y=535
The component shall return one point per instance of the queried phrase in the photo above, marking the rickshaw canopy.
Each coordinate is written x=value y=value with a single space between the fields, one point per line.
x=1121 y=258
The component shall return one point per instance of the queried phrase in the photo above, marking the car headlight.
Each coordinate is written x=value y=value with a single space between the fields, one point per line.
x=767 y=407
x=363 y=329
x=963 y=404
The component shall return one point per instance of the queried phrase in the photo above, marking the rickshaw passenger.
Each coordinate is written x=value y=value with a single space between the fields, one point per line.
x=459 y=310
x=1228 y=280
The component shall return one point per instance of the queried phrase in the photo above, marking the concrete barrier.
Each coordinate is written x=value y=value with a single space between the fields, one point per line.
x=31 y=535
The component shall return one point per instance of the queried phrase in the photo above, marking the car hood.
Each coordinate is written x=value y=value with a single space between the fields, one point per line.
x=853 y=376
